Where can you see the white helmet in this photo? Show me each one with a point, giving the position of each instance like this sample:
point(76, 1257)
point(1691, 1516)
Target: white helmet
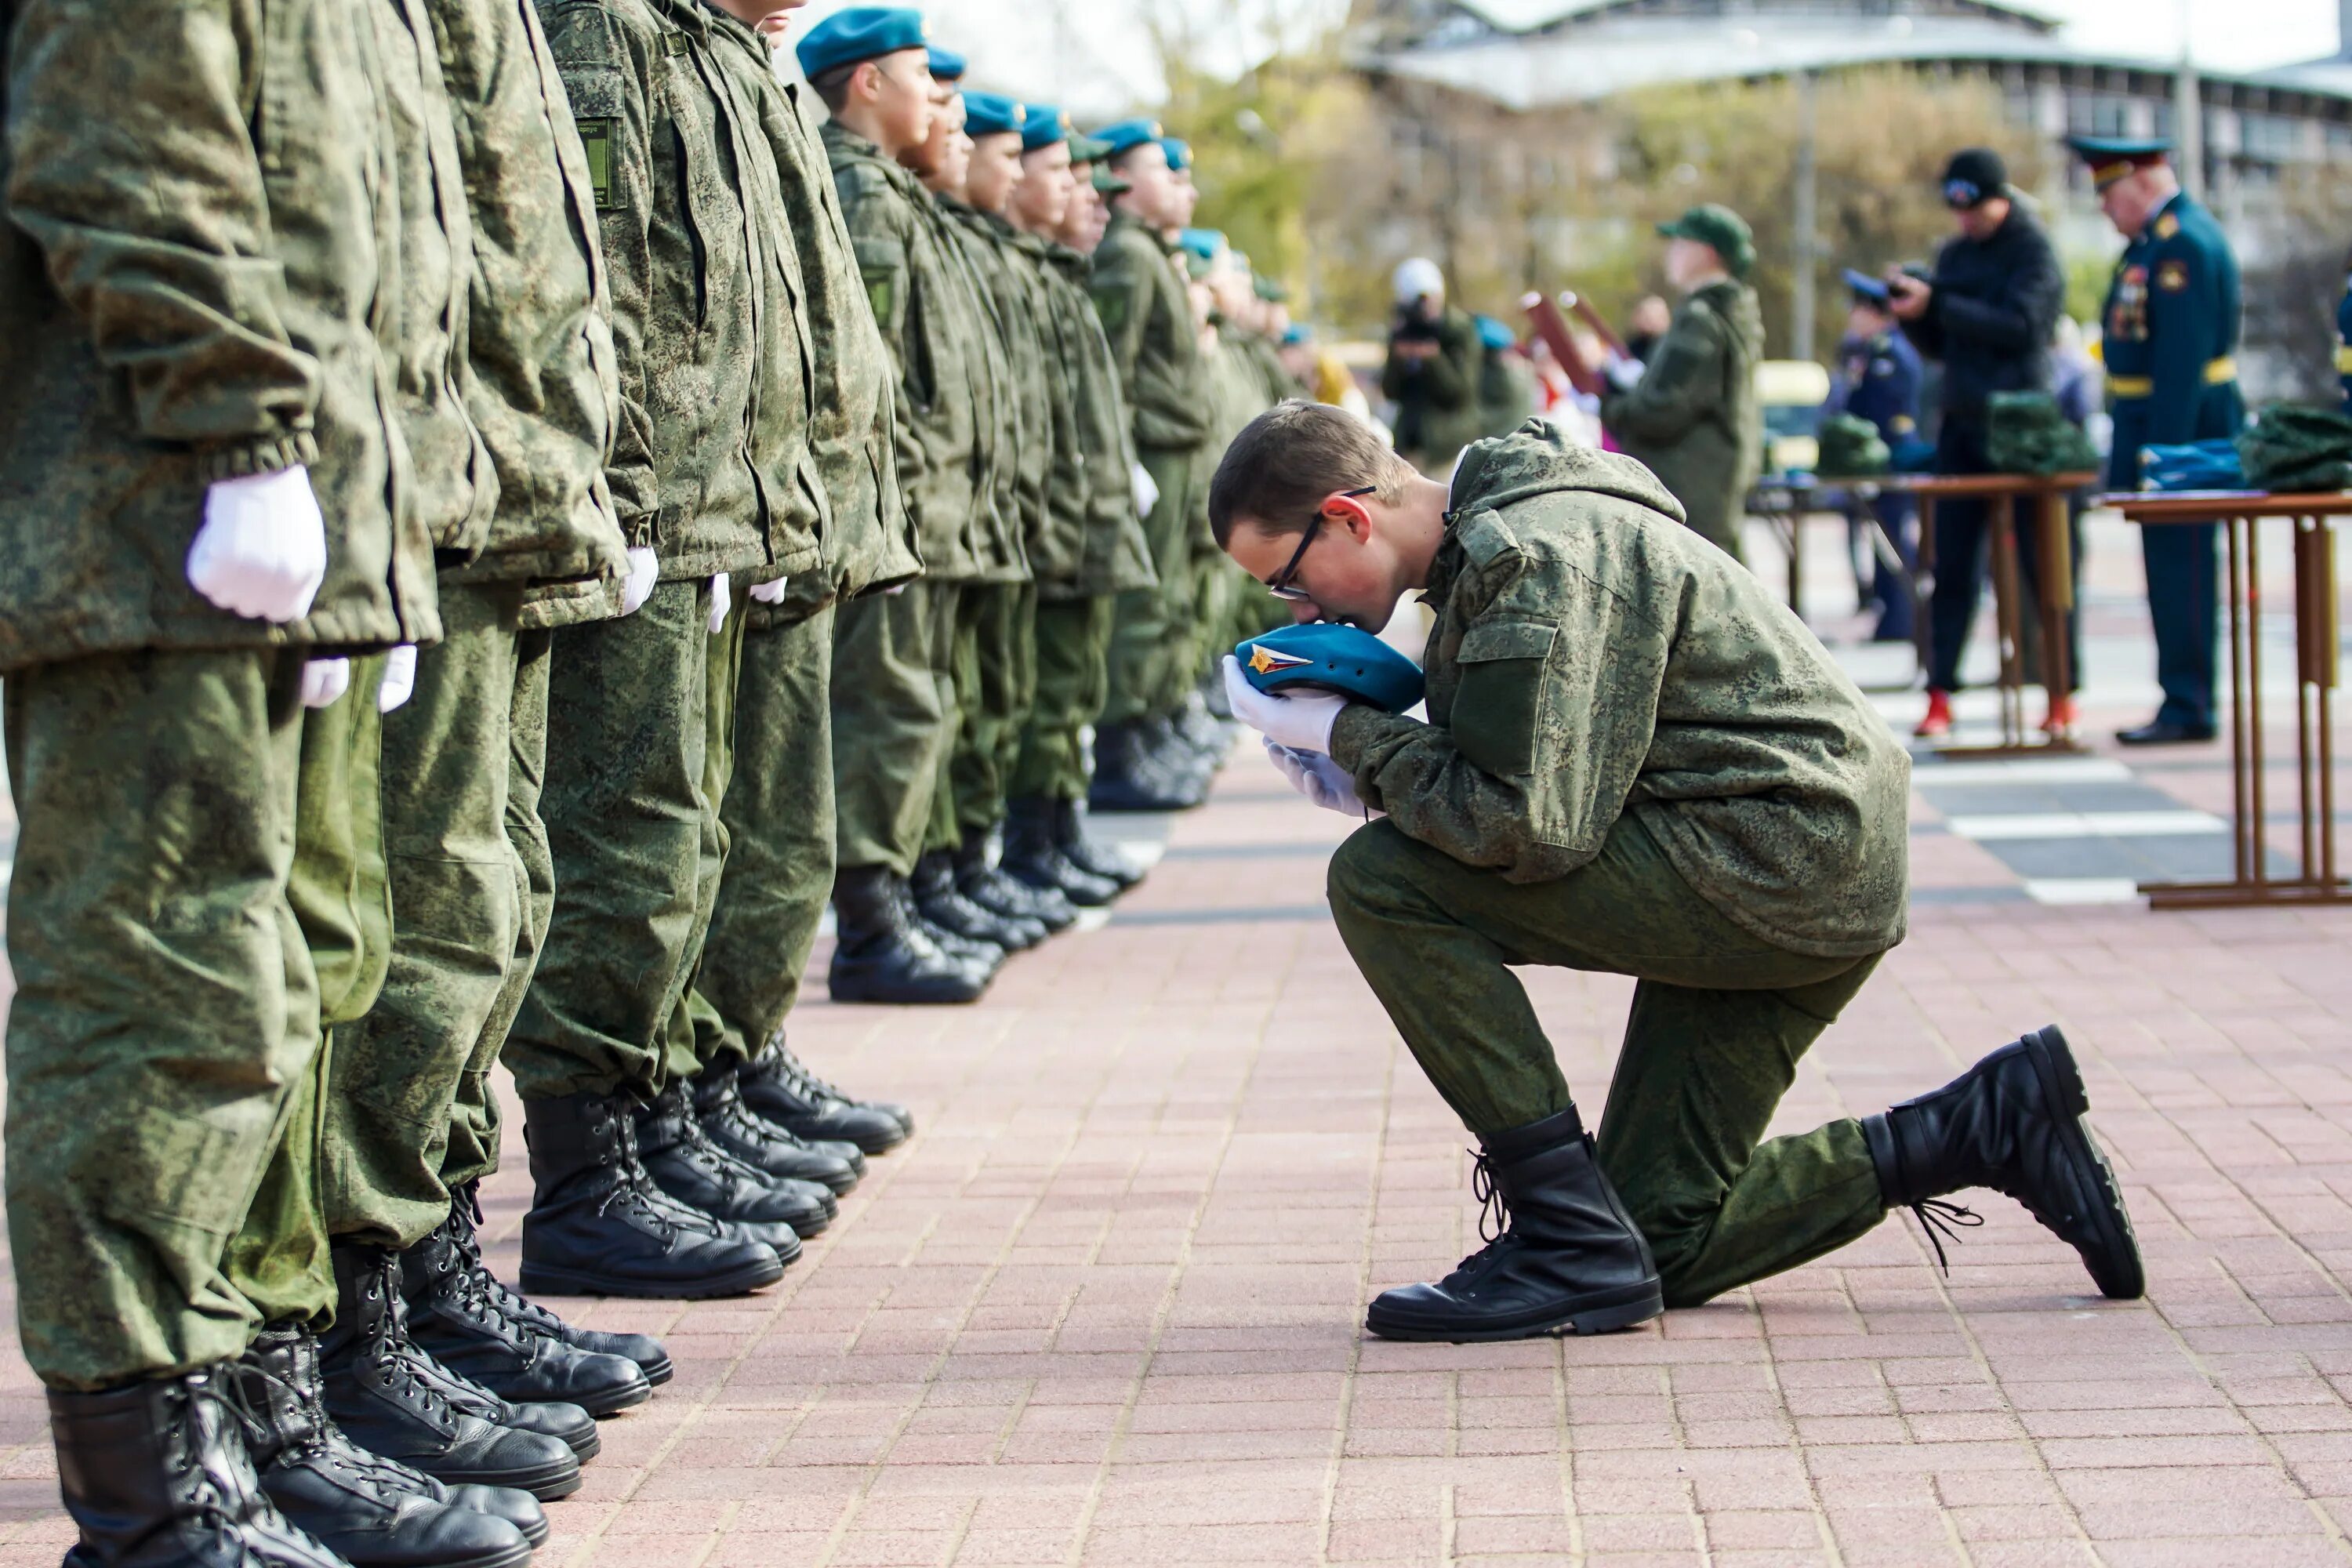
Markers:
point(1418, 276)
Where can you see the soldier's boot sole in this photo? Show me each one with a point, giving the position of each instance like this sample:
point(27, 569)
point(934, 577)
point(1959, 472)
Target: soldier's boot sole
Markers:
point(1600, 1313)
point(554, 1280)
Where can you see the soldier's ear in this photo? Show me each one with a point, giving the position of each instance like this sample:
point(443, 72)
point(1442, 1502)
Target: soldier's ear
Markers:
point(1346, 512)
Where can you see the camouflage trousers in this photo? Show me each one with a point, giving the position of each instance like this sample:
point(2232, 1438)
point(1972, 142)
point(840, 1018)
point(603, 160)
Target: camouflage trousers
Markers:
point(1155, 638)
point(165, 1006)
point(996, 685)
point(409, 1112)
point(894, 720)
point(1720, 1022)
point(633, 834)
point(1073, 646)
point(779, 814)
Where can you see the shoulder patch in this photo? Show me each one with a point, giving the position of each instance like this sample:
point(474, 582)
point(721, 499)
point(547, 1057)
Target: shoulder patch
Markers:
point(1485, 538)
point(2172, 276)
point(1111, 305)
point(2167, 226)
point(596, 139)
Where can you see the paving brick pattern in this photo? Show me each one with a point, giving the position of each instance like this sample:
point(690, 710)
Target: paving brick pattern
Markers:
point(1105, 1307)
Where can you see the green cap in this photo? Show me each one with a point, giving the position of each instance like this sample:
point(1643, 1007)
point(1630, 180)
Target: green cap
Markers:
point(1087, 149)
point(1107, 182)
point(1272, 292)
point(1719, 228)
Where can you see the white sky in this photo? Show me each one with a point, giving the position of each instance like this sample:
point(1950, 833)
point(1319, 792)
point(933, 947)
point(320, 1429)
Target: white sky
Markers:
point(1095, 56)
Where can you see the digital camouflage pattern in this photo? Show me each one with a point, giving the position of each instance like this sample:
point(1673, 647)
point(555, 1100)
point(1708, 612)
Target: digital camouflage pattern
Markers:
point(892, 720)
point(999, 397)
point(452, 488)
point(1693, 419)
point(1095, 541)
point(1007, 263)
point(922, 302)
point(151, 1070)
point(542, 390)
point(853, 412)
point(1147, 316)
point(702, 317)
point(193, 271)
point(996, 682)
point(1073, 681)
point(1589, 658)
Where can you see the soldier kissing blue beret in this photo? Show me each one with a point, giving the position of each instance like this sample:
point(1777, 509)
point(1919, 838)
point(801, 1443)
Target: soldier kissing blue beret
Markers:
point(1344, 659)
point(946, 64)
point(860, 33)
point(1127, 135)
point(1042, 125)
point(991, 114)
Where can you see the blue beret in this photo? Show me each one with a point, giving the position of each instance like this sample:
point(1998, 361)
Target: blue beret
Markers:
point(860, 33)
point(1865, 287)
point(1494, 333)
point(1344, 659)
point(946, 64)
point(1295, 334)
point(990, 114)
point(1043, 126)
point(1180, 151)
point(1203, 243)
point(1128, 134)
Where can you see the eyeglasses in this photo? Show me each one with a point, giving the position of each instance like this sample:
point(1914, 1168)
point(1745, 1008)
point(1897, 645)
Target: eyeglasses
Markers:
point(1280, 584)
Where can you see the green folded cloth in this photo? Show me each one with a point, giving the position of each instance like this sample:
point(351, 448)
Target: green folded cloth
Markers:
point(2026, 433)
point(1851, 448)
point(2292, 449)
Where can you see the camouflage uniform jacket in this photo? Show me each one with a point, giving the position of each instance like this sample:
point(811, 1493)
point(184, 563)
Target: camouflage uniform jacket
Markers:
point(1590, 656)
point(1094, 469)
point(852, 413)
point(542, 389)
point(922, 300)
point(712, 353)
point(454, 491)
point(1147, 315)
point(196, 278)
point(1693, 419)
point(998, 523)
point(1010, 263)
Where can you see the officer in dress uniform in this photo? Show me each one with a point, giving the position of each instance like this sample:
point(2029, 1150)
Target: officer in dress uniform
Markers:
point(1878, 379)
point(2171, 327)
point(2344, 337)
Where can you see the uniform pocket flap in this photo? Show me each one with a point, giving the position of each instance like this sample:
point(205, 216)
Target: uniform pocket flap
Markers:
point(597, 92)
point(880, 256)
point(1507, 639)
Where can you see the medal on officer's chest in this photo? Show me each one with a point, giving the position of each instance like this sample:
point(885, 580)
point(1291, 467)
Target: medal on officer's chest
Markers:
point(2128, 316)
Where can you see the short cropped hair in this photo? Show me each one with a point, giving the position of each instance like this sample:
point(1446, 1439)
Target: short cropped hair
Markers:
point(1286, 461)
point(832, 85)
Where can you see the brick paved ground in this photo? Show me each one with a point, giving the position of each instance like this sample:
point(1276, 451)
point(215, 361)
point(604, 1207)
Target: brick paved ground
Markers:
point(1105, 1307)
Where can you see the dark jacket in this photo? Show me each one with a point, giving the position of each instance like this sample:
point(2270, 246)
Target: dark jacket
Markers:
point(1995, 305)
point(1436, 398)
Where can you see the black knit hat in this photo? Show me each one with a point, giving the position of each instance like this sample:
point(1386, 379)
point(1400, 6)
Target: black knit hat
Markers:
point(1973, 177)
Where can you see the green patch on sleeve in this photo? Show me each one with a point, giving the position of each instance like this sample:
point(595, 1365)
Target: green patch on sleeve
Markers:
point(596, 136)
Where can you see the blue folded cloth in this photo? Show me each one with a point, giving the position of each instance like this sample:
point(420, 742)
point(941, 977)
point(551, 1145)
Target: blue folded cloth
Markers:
point(2192, 465)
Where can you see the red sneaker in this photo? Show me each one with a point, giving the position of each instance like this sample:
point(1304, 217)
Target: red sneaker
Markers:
point(2061, 720)
point(1938, 721)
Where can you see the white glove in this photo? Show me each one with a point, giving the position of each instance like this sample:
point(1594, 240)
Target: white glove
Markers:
point(1321, 780)
point(721, 601)
point(1624, 373)
point(768, 593)
point(262, 551)
point(324, 681)
point(399, 677)
point(1302, 723)
point(1147, 490)
point(637, 583)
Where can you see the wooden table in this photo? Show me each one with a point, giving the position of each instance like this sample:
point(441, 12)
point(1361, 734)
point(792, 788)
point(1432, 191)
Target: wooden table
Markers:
point(2316, 656)
point(2004, 494)
point(1784, 501)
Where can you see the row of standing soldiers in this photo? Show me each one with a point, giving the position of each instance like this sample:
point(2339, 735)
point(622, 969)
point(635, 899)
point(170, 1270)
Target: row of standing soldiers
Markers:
point(505, 518)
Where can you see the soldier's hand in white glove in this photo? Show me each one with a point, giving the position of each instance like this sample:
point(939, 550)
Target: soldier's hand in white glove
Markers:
point(324, 681)
point(399, 677)
point(721, 601)
point(1146, 489)
point(637, 581)
point(768, 593)
point(262, 549)
point(1321, 780)
point(1302, 723)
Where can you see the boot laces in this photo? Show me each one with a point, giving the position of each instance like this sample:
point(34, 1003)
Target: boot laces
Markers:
point(1494, 1208)
point(1944, 1221)
point(797, 1076)
point(400, 1364)
point(210, 1495)
point(528, 1319)
point(322, 1443)
point(630, 1182)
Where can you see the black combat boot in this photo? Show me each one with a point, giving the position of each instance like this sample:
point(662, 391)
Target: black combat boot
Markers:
point(1566, 1257)
point(941, 901)
point(370, 1511)
point(995, 887)
point(1095, 859)
point(566, 1423)
point(2012, 1123)
point(595, 1227)
point(780, 1086)
point(458, 1312)
point(1186, 755)
point(157, 1475)
point(1128, 775)
point(1034, 858)
point(983, 958)
point(685, 1164)
point(465, 1222)
point(879, 956)
point(387, 1395)
point(752, 1138)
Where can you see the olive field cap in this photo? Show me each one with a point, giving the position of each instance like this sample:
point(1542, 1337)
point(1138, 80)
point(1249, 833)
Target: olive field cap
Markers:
point(1721, 230)
point(1267, 289)
point(1042, 125)
point(2113, 157)
point(991, 114)
point(1324, 653)
point(861, 32)
point(1107, 180)
point(1085, 149)
point(1128, 134)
